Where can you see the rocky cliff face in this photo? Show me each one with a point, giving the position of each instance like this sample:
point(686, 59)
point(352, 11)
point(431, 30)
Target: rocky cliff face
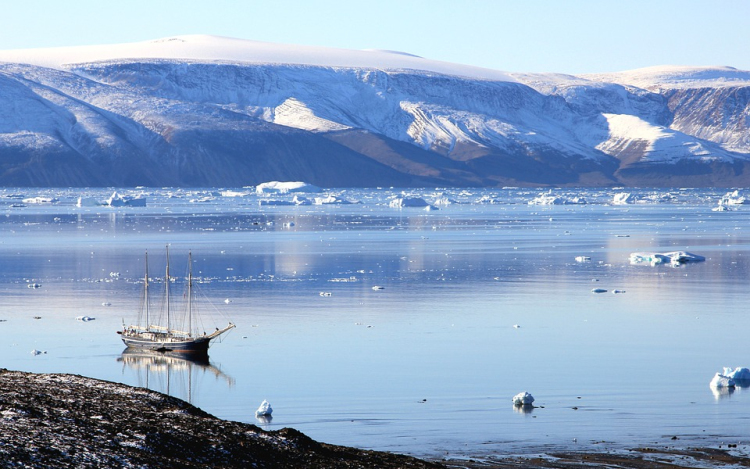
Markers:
point(187, 122)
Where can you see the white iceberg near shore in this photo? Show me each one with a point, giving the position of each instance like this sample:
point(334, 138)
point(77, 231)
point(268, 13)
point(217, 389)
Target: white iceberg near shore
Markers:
point(279, 187)
point(523, 399)
point(672, 258)
point(264, 410)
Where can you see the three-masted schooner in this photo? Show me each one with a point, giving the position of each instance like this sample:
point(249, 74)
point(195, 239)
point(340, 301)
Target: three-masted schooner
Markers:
point(165, 338)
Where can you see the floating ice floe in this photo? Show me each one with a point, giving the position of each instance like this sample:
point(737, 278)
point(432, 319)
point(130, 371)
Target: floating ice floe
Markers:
point(117, 200)
point(598, 290)
point(624, 198)
point(734, 198)
point(231, 193)
point(38, 352)
point(583, 259)
point(326, 293)
point(274, 202)
point(40, 200)
point(378, 287)
point(84, 318)
point(34, 285)
point(523, 399)
point(548, 199)
point(278, 187)
point(410, 202)
point(264, 410)
point(87, 202)
point(673, 258)
point(330, 200)
point(721, 381)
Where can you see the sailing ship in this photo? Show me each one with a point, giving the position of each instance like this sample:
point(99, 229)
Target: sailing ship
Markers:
point(166, 337)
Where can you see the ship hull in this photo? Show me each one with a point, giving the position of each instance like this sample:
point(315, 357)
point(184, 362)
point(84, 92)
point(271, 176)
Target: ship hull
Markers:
point(173, 344)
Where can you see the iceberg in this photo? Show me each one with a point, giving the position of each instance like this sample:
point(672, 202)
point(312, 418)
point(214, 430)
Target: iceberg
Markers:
point(264, 410)
point(738, 374)
point(624, 198)
point(277, 187)
point(404, 202)
point(548, 199)
point(117, 200)
point(523, 399)
point(330, 200)
point(721, 381)
point(672, 258)
point(87, 202)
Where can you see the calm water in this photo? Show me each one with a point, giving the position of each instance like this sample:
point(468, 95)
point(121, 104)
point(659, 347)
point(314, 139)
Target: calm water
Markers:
point(429, 364)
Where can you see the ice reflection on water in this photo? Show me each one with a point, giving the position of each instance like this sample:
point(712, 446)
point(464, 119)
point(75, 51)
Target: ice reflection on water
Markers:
point(429, 363)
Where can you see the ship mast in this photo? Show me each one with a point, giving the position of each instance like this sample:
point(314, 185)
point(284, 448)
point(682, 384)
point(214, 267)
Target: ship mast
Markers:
point(167, 282)
point(145, 292)
point(190, 294)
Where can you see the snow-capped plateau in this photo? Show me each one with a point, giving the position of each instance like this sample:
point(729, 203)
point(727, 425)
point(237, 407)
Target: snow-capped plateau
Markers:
point(205, 110)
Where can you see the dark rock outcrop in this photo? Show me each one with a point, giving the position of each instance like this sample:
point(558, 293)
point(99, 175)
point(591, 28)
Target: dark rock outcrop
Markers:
point(58, 420)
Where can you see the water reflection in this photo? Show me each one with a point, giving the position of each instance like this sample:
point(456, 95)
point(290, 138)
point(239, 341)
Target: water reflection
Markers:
point(174, 374)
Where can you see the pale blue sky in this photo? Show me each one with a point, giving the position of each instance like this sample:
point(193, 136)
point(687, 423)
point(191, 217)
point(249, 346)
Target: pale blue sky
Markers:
point(568, 36)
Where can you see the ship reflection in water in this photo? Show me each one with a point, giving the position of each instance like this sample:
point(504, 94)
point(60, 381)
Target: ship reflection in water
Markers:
point(174, 374)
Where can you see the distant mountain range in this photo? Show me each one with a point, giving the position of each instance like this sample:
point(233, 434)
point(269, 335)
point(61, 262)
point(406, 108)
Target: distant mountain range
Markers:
point(212, 111)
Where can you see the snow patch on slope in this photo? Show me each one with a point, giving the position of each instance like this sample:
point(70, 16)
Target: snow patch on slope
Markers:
point(294, 113)
point(634, 139)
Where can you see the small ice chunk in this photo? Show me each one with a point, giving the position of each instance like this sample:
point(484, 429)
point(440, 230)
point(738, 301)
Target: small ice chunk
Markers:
point(523, 399)
point(583, 259)
point(378, 287)
point(598, 290)
point(38, 352)
point(656, 258)
point(227, 301)
point(325, 293)
point(618, 291)
point(84, 318)
point(264, 410)
point(721, 381)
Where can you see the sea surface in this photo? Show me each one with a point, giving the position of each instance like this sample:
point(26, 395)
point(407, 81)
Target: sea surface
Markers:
point(481, 298)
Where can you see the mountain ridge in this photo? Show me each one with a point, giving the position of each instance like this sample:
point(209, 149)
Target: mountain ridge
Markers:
point(91, 116)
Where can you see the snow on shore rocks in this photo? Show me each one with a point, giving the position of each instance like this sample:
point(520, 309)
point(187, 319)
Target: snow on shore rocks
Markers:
point(277, 187)
point(672, 258)
point(523, 399)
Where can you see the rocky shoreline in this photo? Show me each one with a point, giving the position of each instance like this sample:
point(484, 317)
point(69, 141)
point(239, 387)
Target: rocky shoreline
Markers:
point(61, 420)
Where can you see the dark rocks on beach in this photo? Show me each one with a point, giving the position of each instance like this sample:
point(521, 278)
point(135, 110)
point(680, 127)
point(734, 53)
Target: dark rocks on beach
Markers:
point(59, 420)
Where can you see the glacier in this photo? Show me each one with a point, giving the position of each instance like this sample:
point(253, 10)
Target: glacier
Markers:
point(213, 111)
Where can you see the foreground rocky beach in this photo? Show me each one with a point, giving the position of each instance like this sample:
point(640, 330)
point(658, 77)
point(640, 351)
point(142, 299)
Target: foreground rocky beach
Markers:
point(60, 420)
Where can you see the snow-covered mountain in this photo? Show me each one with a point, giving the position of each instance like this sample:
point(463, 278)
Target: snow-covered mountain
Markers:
point(205, 110)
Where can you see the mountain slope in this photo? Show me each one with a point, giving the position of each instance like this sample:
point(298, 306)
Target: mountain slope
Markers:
point(202, 110)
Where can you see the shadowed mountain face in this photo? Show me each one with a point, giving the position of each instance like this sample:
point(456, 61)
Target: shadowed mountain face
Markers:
point(188, 123)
